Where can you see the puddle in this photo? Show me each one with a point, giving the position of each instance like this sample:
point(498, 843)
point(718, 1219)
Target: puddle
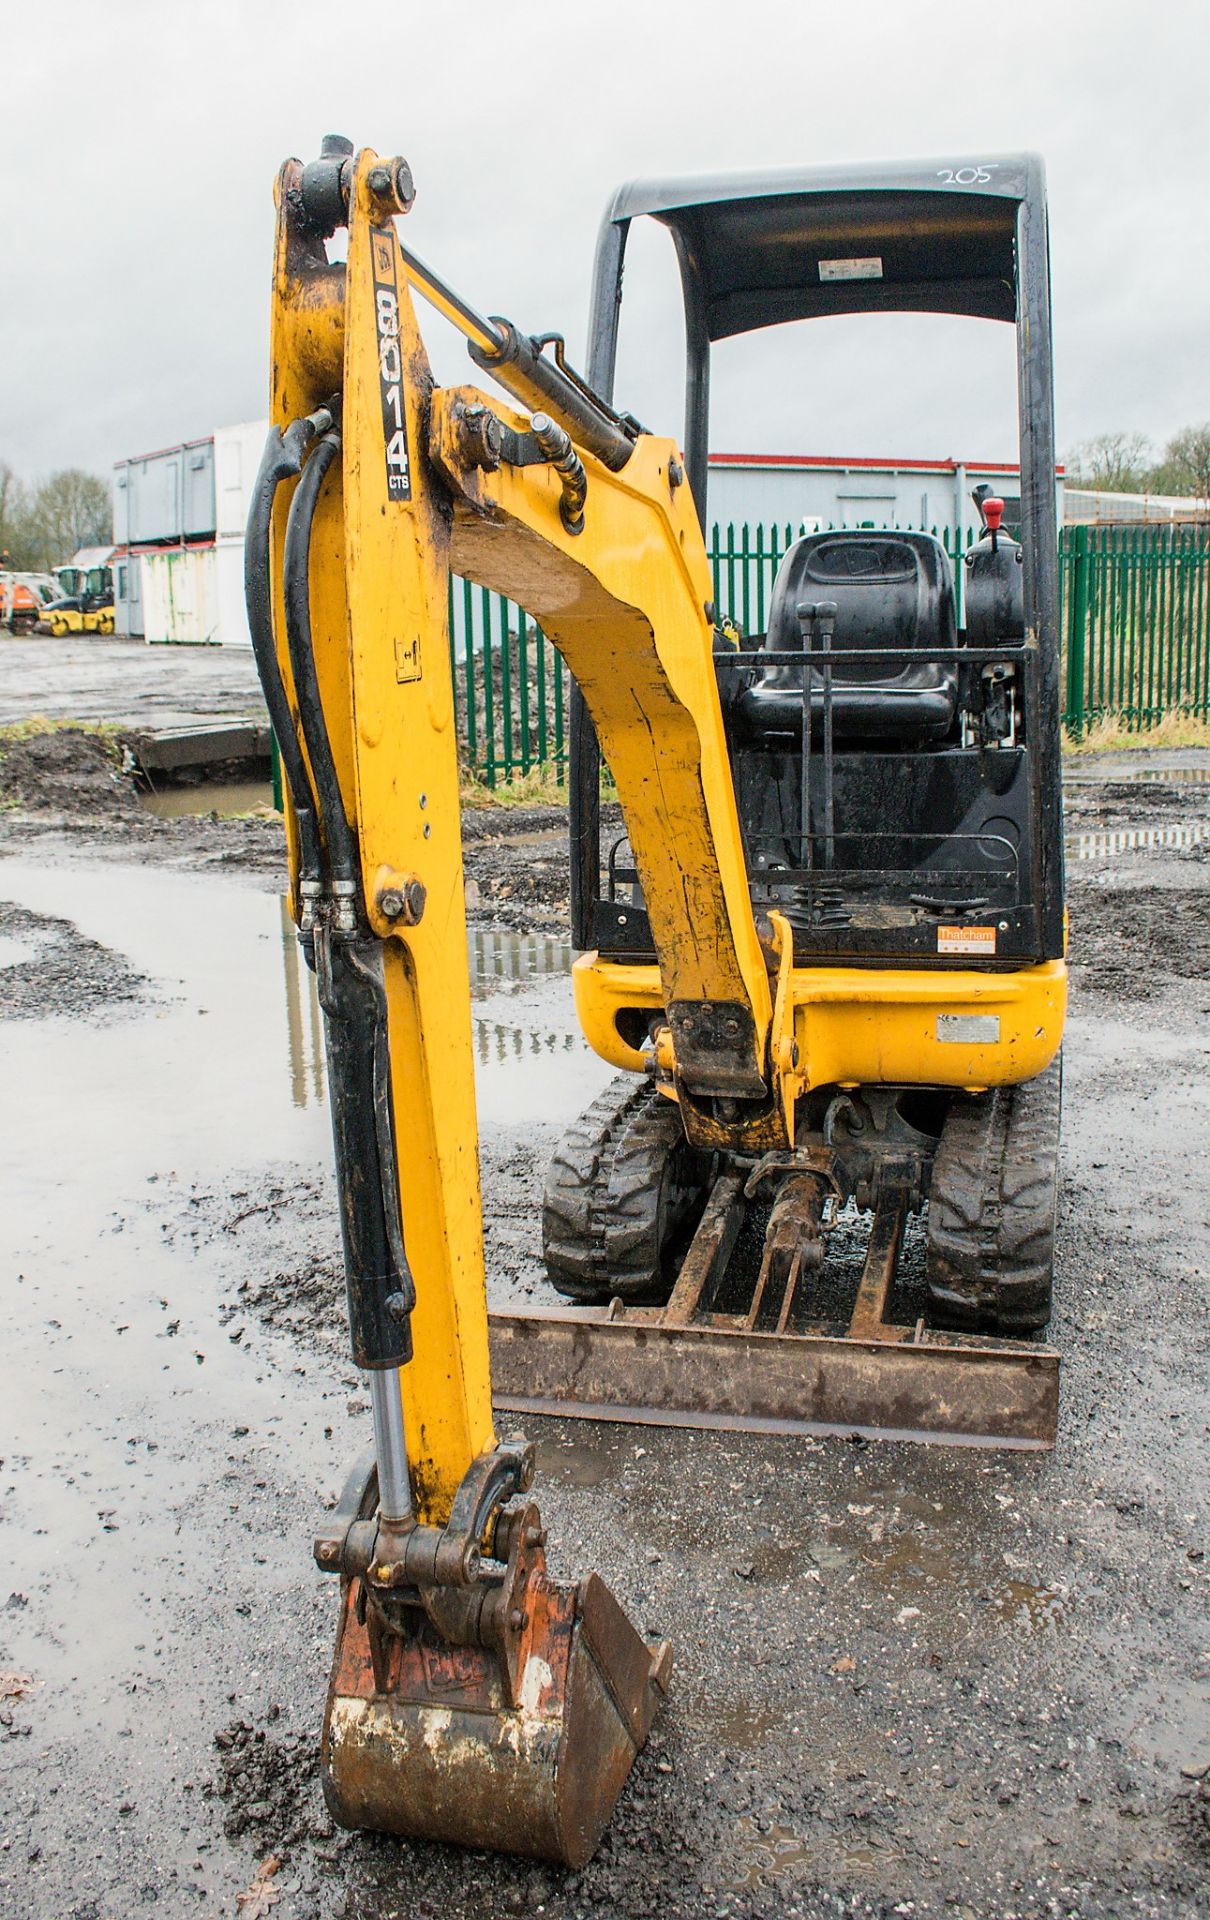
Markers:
point(742, 1728)
point(1028, 1607)
point(226, 960)
point(221, 1070)
point(497, 1044)
point(16, 953)
point(576, 1464)
point(915, 1562)
point(224, 797)
point(505, 962)
point(1103, 845)
point(768, 1851)
point(1114, 773)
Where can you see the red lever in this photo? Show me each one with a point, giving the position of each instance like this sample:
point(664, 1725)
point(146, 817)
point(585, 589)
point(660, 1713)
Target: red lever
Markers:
point(993, 513)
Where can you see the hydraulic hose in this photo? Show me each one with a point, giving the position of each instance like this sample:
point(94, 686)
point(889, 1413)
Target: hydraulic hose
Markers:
point(296, 579)
point(281, 460)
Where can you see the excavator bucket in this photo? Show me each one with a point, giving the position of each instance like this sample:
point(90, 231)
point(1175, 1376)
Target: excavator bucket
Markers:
point(442, 1752)
point(472, 1698)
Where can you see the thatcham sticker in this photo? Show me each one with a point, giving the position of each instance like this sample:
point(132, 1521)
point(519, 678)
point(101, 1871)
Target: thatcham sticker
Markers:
point(981, 940)
point(390, 365)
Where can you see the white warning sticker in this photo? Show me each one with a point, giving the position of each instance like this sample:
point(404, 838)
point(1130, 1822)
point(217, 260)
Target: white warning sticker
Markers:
point(978, 940)
point(868, 267)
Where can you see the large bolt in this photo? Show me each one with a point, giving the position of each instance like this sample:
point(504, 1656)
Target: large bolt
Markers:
point(518, 1619)
point(392, 180)
point(479, 438)
point(404, 902)
point(328, 1551)
point(405, 186)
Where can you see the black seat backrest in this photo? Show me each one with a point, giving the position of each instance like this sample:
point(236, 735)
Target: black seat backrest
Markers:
point(890, 589)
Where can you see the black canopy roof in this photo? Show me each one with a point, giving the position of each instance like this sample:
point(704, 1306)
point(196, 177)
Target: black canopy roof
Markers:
point(926, 236)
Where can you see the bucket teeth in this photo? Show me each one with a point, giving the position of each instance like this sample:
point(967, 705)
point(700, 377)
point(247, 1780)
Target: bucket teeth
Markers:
point(449, 1750)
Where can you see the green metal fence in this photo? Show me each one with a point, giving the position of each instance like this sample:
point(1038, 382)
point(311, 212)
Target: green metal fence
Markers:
point(1135, 625)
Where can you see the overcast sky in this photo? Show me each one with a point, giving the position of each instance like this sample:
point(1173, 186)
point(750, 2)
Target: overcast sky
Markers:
point(140, 142)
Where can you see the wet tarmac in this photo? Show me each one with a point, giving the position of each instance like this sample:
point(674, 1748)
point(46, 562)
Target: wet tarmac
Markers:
point(909, 1680)
point(85, 677)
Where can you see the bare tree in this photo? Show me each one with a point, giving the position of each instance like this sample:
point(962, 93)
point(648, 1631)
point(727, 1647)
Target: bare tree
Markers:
point(14, 521)
point(69, 509)
point(41, 527)
point(1111, 463)
point(1185, 467)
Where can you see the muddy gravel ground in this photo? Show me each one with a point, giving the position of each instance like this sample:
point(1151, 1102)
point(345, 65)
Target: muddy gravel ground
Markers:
point(908, 1680)
point(64, 793)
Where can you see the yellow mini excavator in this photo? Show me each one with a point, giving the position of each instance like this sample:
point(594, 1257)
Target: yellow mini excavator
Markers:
point(829, 949)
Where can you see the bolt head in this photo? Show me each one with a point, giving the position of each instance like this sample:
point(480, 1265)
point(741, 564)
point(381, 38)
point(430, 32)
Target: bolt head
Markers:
point(518, 1619)
point(390, 903)
point(378, 179)
point(405, 186)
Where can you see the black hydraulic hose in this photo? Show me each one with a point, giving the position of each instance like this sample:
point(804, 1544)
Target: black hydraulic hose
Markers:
point(296, 580)
point(281, 459)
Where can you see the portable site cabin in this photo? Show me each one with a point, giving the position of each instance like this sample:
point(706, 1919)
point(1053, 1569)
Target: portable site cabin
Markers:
point(179, 521)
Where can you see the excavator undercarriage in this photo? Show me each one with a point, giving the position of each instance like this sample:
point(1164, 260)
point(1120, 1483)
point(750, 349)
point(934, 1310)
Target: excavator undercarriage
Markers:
point(719, 1304)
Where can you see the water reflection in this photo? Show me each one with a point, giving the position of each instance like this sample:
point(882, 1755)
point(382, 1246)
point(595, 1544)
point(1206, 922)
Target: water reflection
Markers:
point(224, 797)
point(1101, 845)
point(1100, 773)
point(303, 1018)
point(497, 1045)
point(506, 962)
point(501, 962)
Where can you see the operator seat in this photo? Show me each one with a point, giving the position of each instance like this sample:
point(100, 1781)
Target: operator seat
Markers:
point(890, 590)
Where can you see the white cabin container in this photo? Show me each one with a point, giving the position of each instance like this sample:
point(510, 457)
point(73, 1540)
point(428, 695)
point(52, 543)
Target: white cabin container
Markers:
point(180, 595)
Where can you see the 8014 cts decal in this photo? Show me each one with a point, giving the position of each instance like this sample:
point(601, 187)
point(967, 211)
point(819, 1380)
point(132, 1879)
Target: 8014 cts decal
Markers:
point(390, 365)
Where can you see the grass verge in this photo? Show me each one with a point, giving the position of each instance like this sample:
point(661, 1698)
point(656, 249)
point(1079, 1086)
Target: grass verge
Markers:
point(1110, 736)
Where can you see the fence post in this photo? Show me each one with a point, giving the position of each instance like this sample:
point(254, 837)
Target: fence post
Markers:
point(1077, 631)
point(468, 654)
point(489, 703)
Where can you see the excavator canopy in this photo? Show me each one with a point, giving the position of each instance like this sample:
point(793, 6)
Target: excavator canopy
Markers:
point(762, 248)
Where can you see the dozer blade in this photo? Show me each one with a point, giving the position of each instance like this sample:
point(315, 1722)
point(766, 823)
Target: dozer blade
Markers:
point(964, 1390)
point(686, 1365)
point(440, 1753)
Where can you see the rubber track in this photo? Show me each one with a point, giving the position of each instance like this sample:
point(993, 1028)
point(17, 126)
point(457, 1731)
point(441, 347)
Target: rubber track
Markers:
point(991, 1210)
point(601, 1210)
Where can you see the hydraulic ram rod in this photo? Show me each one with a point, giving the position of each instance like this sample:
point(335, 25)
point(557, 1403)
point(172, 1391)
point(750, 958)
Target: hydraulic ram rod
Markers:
point(517, 361)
